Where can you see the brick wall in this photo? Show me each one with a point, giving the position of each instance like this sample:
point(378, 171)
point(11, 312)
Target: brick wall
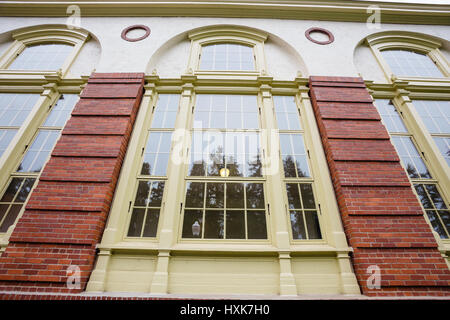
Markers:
point(66, 213)
point(382, 217)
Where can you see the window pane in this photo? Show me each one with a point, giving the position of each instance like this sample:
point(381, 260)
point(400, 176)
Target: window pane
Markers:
point(435, 196)
point(3, 210)
point(214, 224)
point(409, 63)
point(423, 196)
point(156, 194)
point(42, 57)
point(235, 195)
point(286, 113)
point(443, 145)
point(298, 225)
point(151, 223)
point(255, 195)
point(436, 223)
point(411, 159)
point(25, 189)
point(10, 218)
point(434, 114)
point(149, 194)
point(142, 193)
point(166, 111)
point(293, 196)
point(6, 135)
point(217, 111)
point(157, 153)
point(38, 153)
point(435, 208)
point(391, 118)
point(312, 223)
point(192, 219)
point(214, 195)
point(14, 108)
point(137, 219)
point(235, 224)
point(224, 56)
point(445, 218)
point(256, 225)
point(293, 154)
point(13, 199)
point(307, 196)
point(195, 194)
point(12, 189)
point(237, 152)
point(61, 111)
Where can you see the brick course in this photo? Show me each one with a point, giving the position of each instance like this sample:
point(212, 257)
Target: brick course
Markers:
point(66, 214)
point(382, 218)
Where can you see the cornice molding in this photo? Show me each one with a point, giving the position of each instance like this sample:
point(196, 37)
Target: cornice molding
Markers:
point(294, 9)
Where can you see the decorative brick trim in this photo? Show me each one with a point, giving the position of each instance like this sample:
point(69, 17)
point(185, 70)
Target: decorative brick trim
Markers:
point(382, 217)
point(66, 214)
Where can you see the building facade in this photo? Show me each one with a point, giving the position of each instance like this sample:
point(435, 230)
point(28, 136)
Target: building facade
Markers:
point(256, 147)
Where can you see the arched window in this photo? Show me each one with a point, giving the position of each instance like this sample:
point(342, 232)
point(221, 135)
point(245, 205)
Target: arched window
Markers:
point(47, 49)
point(42, 57)
point(227, 56)
point(410, 63)
point(227, 51)
point(406, 55)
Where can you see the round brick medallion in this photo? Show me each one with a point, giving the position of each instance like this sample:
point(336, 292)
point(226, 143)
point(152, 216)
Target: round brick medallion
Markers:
point(125, 32)
point(319, 30)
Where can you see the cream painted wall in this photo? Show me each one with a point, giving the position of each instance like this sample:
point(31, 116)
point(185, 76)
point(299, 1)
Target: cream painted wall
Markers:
point(117, 55)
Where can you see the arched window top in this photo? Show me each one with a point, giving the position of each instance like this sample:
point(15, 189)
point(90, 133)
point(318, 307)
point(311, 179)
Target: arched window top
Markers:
point(49, 56)
point(411, 63)
point(409, 54)
point(227, 50)
point(44, 49)
point(227, 56)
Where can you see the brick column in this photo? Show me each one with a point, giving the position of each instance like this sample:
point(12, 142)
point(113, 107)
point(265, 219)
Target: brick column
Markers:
point(66, 213)
point(382, 217)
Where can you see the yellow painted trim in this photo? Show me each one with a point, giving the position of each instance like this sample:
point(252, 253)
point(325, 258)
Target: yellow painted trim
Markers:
point(41, 35)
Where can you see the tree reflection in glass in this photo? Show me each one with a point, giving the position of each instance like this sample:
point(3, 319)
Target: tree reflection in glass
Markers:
point(224, 208)
point(146, 208)
point(435, 208)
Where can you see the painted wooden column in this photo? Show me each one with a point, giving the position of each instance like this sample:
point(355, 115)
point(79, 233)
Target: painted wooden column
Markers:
point(272, 167)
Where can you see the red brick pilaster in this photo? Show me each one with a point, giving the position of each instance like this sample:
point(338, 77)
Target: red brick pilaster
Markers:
point(382, 217)
point(66, 213)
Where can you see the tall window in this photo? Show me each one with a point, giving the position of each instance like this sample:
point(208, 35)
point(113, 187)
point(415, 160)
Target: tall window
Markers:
point(152, 175)
point(424, 184)
point(226, 200)
point(42, 57)
point(28, 171)
point(301, 203)
point(14, 108)
point(227, 56)
point(410, 63)
point(436, 117)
